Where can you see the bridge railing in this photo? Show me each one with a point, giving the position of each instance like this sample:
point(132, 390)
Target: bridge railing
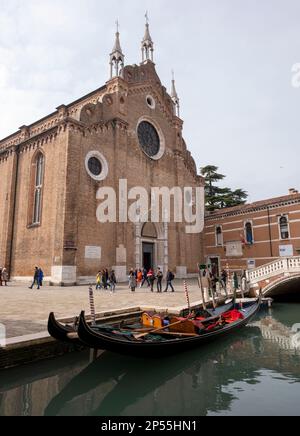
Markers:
point(280, 266)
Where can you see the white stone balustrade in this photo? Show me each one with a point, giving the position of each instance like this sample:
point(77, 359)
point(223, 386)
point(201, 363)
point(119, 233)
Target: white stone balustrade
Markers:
point(284, 266)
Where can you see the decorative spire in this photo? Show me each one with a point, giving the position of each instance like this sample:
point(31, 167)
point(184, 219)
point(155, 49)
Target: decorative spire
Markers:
point(147, 43)
point(116, 57)
point(175, 97)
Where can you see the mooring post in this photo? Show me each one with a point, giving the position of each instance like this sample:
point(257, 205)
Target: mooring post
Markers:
point(92, 305)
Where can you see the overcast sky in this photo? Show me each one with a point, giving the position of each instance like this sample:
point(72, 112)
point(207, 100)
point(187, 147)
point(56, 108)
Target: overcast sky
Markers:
point(232, 59)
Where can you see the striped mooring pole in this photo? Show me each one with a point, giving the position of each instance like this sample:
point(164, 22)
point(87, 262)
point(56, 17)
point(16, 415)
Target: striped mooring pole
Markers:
point(187, 296)
point(92, 305)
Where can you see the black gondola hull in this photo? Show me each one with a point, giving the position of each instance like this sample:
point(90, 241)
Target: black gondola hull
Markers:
point(101, 341)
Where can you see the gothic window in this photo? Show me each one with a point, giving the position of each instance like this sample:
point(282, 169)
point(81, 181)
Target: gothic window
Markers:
point(249, 233)
point(284, 228)
point(149, 139)
point(38, 176)
point(219, 236)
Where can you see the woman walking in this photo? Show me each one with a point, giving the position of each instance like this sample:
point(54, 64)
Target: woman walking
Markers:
point(99, 281)
point(132, 282)
point(4, 276)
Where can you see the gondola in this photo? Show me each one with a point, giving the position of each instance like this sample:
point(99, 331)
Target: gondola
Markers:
point(60, 332)
point(68, 333)
point(124, 342)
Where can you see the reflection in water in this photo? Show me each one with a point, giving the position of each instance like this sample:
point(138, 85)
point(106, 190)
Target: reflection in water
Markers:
point(238, 375)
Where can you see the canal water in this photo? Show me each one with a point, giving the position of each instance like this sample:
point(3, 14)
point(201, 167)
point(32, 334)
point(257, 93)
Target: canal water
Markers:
point(254, 372)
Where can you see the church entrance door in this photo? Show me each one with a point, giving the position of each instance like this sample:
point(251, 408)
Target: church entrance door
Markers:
point(148, 255)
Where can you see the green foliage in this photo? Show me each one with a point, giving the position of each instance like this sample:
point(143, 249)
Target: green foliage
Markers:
point(220, 198)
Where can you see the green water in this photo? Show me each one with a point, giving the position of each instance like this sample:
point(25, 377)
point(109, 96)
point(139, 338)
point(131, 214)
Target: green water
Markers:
point(255, 372)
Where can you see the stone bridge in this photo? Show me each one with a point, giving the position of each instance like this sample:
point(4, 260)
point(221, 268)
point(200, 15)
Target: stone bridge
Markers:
point(277, 279)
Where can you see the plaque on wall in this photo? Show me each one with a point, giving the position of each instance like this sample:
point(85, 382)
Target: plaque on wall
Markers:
point(93, 253)
point(286, 250)
point(234, 249)
point(121, 254)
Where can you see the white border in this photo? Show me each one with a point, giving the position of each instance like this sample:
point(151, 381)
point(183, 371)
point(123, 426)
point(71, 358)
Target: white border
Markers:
point(162, 149)
point(104, 173)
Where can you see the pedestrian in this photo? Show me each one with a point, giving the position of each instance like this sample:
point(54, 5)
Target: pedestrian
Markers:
point(170, 278)
point(145, 278)
point(160, 277)
point(132, 282)
point(151, 277)
point(41, 277)
point(113, 281)
point(139, 278)
point(104, 280)
point(99, 280)
point(224, 278)
point(35, 279)
point(4, 276)
point(131, 272)
point(0, 276)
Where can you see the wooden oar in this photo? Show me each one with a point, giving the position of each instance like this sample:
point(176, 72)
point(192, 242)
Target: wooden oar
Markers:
point(159, 330)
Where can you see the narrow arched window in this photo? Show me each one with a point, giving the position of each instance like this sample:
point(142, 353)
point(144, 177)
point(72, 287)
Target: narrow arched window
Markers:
point(38, 189)
point(284, 228)
point(249, 233)
point(219, 236)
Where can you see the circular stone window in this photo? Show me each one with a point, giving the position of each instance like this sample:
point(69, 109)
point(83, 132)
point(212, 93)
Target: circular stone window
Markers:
point(150, 102)
point(149, 139)
point(96, 166)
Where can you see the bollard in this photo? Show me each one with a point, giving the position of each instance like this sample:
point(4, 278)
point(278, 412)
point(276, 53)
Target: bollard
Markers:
point(92, 305)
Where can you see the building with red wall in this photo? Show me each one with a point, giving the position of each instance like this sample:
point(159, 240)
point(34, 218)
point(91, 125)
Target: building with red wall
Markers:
point(245, 237)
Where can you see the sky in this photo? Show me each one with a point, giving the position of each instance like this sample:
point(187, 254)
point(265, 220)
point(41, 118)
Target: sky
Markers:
point(232, 59)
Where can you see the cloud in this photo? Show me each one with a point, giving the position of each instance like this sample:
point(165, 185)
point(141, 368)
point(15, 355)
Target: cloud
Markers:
point(232, 61)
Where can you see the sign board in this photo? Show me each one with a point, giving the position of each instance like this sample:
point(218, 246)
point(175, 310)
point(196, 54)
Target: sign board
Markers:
point(251, 264)
point(286, 250)
point(234, 249)
point(93, 253)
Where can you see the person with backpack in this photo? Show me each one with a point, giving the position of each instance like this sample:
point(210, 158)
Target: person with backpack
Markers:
point(36, 278)
point(170, 278)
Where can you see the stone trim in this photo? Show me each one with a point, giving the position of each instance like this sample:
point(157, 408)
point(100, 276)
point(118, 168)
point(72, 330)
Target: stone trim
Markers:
point(251, 210)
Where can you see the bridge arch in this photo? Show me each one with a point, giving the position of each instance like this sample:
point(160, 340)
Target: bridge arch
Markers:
point(283, 287)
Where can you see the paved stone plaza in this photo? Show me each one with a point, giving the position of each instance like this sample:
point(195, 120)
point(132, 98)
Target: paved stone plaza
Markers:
point(24, 311)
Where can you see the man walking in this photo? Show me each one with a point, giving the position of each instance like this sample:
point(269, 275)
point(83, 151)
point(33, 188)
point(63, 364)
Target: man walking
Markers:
point(35, 279)
point(160, 277)
point(145, 278)
point(113, 281)
point(170, 278)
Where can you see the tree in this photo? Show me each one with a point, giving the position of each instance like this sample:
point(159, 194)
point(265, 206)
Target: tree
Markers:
point(220, 198)
point(212, 192)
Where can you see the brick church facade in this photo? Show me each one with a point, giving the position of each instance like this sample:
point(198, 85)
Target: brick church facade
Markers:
point(51, 171)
